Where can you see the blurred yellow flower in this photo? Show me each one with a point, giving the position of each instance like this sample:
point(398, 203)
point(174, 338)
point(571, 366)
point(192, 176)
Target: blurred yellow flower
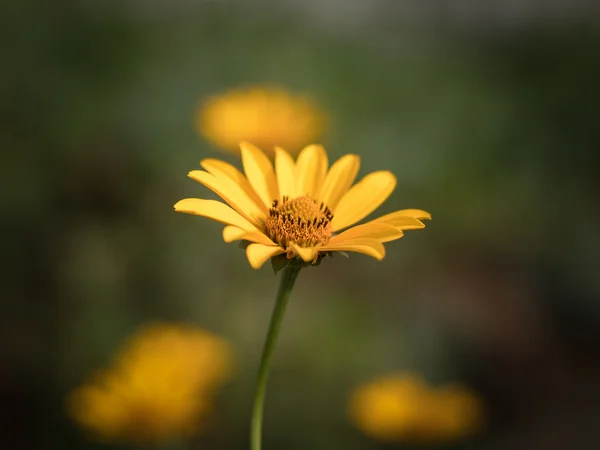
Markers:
point(296, 208)
point(403, 408)
point(160, 386)
point(262, 115)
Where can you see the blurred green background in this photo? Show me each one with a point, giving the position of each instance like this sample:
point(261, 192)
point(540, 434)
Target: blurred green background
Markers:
point(490, 122)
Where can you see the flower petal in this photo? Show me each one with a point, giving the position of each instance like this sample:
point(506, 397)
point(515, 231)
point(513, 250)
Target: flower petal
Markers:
point(232, 233)
point(233, 194)
point(258, 254)
point(286, 173)
point(400, 220)
point(371, 247)
point(414, 213)
point(340, 177)
point(363, 198)
point(260, 173)
point(308, 254)
point(311, 167)
point(215, 210)
point(382, 232)
point(222, 169)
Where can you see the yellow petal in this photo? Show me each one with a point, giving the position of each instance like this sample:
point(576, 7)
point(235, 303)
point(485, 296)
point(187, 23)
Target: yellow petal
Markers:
point(307, 254)
point(400, 220)
point(286, 173)
point(379, 231)
point(311, 167)
point(339, 179)
point(258, 254)
point(215, 210)
point(233, 194)
point(414, 213)
point(232, 233)
point(370, 247)
point(363, 198)
point(222, 169)
point(260, 173)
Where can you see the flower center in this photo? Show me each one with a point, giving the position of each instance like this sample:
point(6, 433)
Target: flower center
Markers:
point(301, 221)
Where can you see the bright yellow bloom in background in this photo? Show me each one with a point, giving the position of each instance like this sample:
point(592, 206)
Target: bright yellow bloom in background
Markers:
point(160, 386)
point(297, 207)
point(264, 116)
point(402, 408)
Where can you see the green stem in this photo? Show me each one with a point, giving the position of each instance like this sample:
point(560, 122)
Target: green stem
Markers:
point(288, 277)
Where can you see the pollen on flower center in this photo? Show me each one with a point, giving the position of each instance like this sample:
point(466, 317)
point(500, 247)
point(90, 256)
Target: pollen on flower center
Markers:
point(301, 221)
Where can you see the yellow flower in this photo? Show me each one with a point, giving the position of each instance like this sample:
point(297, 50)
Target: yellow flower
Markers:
point(297, 208)
point(403, 408)
point(262, 115)
point(160, 386)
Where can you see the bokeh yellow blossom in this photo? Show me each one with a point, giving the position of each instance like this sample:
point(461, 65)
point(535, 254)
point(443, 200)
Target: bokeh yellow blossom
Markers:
point(403, 408)
point(160, 386)
point(262, 115)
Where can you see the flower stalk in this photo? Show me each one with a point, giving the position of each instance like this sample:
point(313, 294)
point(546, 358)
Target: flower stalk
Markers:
point(288, 278)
